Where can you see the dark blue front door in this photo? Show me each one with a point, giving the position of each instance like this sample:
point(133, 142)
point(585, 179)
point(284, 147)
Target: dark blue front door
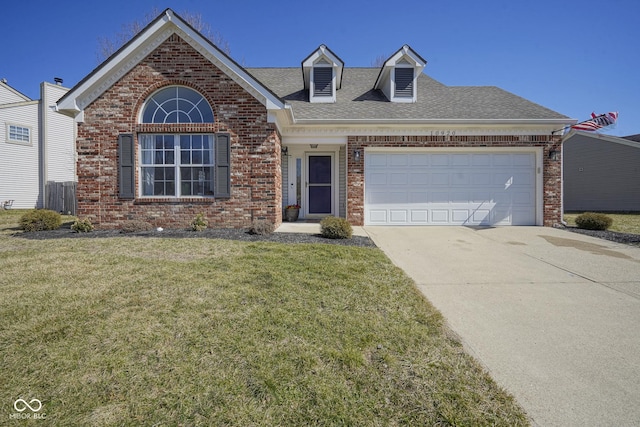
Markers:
point(319, 185)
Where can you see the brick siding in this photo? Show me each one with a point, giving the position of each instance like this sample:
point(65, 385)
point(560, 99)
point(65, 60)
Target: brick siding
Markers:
point(256, 191)
point(552, 182)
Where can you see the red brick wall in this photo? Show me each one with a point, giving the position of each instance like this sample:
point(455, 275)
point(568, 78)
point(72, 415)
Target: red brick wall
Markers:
point(256, 191)
point(552, 192)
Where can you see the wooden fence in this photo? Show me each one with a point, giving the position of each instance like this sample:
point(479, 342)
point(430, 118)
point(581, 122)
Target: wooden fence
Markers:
point(61, 197)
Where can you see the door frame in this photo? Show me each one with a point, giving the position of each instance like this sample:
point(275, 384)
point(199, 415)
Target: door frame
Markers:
point(334, 181)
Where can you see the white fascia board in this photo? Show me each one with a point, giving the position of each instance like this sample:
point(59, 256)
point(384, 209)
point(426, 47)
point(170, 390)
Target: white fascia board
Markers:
point(115, 67)
point(431, 122)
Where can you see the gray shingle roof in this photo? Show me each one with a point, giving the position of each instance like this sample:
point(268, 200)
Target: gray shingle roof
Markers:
point(357, 100)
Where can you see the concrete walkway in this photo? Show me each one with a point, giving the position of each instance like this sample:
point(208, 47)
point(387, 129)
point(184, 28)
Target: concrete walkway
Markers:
point(554, 316)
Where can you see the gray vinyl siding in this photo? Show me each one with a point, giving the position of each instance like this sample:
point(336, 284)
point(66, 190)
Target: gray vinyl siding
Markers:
point(342, 182)
point(600, 175)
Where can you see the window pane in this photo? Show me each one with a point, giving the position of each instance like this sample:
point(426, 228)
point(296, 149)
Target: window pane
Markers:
point(169, 157)
point(197, 157)
point(177, 104)
point(185, 157)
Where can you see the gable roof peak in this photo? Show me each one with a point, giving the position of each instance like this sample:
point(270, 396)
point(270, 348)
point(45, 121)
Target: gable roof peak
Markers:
point(147, 40)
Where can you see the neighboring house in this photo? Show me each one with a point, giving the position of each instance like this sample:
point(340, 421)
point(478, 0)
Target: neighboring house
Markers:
point(36, 148)
point(601, 172)
point(169, 127)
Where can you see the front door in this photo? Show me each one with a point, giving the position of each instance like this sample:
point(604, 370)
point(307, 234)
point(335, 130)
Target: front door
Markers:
point(319, 184)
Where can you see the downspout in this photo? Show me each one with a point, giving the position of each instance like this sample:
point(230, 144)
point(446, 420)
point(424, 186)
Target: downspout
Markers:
point(43, 132)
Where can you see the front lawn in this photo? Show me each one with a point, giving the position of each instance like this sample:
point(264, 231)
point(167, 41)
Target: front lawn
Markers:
point(622, 223)
point(157, 331)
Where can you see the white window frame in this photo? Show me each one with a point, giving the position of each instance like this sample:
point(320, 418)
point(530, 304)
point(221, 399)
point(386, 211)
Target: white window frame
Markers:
point(19, 141)
point(176, 165)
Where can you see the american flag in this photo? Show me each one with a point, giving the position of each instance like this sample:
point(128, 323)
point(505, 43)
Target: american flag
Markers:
point(597, 122)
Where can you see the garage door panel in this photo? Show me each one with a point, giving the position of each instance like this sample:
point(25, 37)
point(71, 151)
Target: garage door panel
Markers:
point(419, 216)
point(398, 160)
point(481, 179)
point(419, 160)
point(419, 178)
point(398, 216)
point(481, 160)
point(399, 178)
point(376, 160)
point(446, 188)
point(439, 160)
point(460, 178)
point(460, 160)
point(440, 179)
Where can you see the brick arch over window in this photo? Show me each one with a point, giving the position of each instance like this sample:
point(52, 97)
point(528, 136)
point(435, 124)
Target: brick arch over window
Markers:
point(176, 104)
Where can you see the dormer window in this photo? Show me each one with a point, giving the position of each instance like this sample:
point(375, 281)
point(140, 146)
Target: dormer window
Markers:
point(399, 74)
point(322, 72)
point(323, 80)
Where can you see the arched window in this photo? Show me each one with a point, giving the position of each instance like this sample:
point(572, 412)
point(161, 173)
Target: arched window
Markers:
point(177, 104)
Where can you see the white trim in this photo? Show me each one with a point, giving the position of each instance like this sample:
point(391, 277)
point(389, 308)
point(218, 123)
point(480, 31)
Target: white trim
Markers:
point(19, 141)
point(335, 178)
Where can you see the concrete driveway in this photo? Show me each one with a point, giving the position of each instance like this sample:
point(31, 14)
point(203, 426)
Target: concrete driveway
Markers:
point(554, 316)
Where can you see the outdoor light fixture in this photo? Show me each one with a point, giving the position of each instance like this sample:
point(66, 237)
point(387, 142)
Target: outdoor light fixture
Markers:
point(313, 145)
point(554, 155)
point(284, 150)
point(356, 155)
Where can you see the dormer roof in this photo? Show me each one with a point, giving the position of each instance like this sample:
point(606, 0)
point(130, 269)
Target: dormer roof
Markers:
point(405, 56)
point(323, 56)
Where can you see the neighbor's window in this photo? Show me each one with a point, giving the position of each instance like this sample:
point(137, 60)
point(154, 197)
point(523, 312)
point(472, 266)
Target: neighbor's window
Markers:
point(19, 134)
point(177, 165)
point(177, 104)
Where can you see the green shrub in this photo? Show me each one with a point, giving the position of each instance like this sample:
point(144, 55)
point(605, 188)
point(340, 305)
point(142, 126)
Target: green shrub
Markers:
point(262, 227)
point(593, 221)
point(82, 226)
point(40, 219)
point(199, 223)
point(136, 225)
point(335, 228)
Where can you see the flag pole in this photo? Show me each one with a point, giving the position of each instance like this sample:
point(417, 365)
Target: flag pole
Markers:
point(584, 121)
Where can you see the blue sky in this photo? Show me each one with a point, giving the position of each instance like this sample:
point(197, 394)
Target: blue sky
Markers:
point(572, 56)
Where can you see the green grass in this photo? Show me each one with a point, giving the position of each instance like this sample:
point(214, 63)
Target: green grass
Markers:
point(623, 223)
point(142, 331)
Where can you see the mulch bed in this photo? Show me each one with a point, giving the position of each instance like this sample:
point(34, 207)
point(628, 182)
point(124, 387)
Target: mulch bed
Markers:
point(243, 235)
point(210, 233)
point(626, 238)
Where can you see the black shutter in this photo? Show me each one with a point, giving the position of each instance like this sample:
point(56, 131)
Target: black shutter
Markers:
point(222, 180)
point(404, 82)
point(322, 81)
point(126, 168)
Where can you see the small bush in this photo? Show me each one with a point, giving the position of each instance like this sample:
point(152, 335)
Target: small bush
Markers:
point(136, 225)
point(199, 223)
point(82, 226)
point(262, 227)
point(335, 228)
point(593, 221)
point(40, 219)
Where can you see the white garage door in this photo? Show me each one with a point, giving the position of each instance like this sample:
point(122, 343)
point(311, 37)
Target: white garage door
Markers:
point(418, 188)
